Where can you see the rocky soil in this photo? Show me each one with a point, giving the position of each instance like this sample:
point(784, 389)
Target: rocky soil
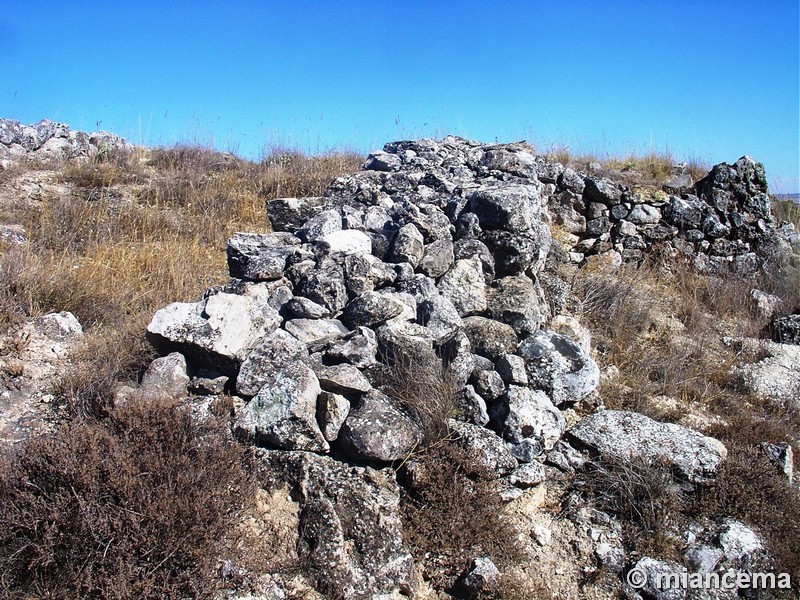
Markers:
point(459, 255)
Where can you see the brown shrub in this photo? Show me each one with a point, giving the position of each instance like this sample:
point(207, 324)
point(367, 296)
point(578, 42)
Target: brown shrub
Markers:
point(425, 390)
point(786, 210)
point(643, 495)
point(138, 506)
point(750, 488)
point(451, 515)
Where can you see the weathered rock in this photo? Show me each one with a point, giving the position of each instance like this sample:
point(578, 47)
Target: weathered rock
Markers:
point(440, 317)
point(516, 253)
point(316, 333)
point(557, 365)
point(350, 529)
point(653, 577)
point(482, 577)
point(342, 379)
point(382, 161)
point(357, 348)
point(165, 378)
point(627, 435)
point(403, 340)
point(528, 475)
point(475, 248)
point(332, 410)
point(518, 302)
point(602, 190)
point(289, 214)
point(644, 214)
point(408, 246)
point(283, 413)
point(490, 338)
point(512, 207)
point(465, 286)
point(488, 384)
point(484, 447)
point(376, 429)
point(437, 258)
point(218, 332)
point(371, 309)
point(785, 329)
point(345, 242)
point(321, 224)
point(512, 369)
point(364, 273)
point(471, 408)
point(324, 285)
point(528, 422)
point(260, 257)
point(303, 308)
point(272, 354)
point(775, 377)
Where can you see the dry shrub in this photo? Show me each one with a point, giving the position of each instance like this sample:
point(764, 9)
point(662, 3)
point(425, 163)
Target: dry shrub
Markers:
point(141, 505)
point(107, 357)
point(750, 488)
point(425, 390)
point(452, 513)
point(643, 495)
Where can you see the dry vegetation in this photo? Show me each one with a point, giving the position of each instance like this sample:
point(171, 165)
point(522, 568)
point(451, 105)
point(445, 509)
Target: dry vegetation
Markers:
point(142, 504)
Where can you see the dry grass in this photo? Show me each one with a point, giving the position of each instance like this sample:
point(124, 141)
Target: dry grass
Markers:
point(142, 505)
point(786, 210)
point(425, 390)
point(652, 168)
point(453, 513)
point(643, 496)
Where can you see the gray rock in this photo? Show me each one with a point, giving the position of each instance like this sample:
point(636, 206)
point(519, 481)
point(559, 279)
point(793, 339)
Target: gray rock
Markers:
point(260, 257)
point(570, 180)
point(316, 333)
point(345, 242)
point(658, 579)
point(528, 422)
point(357, 348)
point(488, 384)
point(528, 475)
point(371, 309)
point(350, 531)
point(320, 225)
point(774, 378)
point(511, 207)
point(785, 329)
point(490, 338)
point(512, 369)
point(520, 163)
point(559, 366)
point(437, 258)
point(518, 302)
point(516, 253)
point(408, 246)
point(602, 190)
point(465, 286)
point(332, 410)
point(440, 317)
point(218, 332)
point(289, 214)
point(403, 340)
point(342, 379)
point(208, 383)
point(382, 161)
point(272, 354)
point(740, 543)
point(364, 273)
point(473, 248)
point(456, 353)
point(324, 285)
point(283, 413)
point(471, 407)
point(484, 447)
point(703, 559)
point(627, 435)
point(644, 214)
point(376, 429)
point(165, 378)
point(482, 577)
point(303, 308)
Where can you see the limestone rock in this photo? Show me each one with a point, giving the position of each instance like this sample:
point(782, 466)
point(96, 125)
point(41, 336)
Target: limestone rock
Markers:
point(376, 429)
point(272, 354)
point(283, 413)
point(624, 435)
point(165, 378)
point(528, 422)
point(465, 286)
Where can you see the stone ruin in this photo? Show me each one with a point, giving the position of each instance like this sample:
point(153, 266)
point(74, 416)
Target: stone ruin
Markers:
point(49, 140)
point(441, 250)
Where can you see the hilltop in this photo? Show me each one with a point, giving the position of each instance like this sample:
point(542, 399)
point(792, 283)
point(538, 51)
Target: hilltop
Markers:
point(448, 369)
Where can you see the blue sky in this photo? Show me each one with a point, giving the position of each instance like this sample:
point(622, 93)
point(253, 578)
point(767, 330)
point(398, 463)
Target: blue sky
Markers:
point(712, 80)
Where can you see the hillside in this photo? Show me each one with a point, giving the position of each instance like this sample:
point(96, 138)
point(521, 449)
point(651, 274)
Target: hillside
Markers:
point(448, 369)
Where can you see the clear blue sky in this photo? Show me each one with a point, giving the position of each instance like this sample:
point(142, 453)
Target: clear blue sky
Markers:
point(709, 79)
